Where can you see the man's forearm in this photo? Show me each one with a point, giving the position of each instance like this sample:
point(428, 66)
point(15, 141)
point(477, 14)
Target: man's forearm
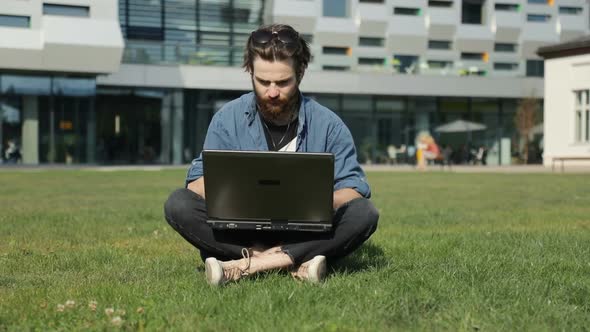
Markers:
point(198, 186)
point(343, 196)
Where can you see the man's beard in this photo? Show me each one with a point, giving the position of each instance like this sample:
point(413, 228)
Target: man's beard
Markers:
point(279, 111)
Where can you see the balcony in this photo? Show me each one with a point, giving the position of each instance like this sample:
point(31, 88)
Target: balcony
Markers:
point(407, 35)
point(336, 32)
point(302, 15)
point(442, 22)
point(508, 26)
point(474, 38)
point(572, 26)
point(372, 18)
point(537, 34)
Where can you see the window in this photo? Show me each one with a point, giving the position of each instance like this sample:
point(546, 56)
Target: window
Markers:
point(582, 116)
point(371, 61)
point(504, 47)
point(371, 41)
point(538, 17)
point(472, 12)
point(439, 44)
point(406, 11)
point(505, 66)
point(405, 63)
point(507, 7)
point(440, 3)
point(439, 64)
point(540, 2)
point(144, 21)
point(570, 10)
point(66, 10)
point(15, 21)
point(535, 68)
point(335, 50)
point(335, 68)
point(335, 8)
point(472, 56)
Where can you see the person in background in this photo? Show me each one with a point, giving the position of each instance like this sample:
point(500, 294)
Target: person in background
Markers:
point(12, 153)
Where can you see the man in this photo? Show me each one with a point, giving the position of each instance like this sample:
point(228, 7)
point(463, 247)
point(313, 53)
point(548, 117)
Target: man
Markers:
point(276, 117)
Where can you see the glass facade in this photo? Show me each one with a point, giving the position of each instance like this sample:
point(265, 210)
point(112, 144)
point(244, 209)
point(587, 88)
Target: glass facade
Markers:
point(377, 122)
point(79, 123)
point(198, 32)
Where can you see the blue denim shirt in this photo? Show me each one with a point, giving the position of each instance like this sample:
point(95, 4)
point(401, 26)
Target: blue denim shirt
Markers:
point(236, 127)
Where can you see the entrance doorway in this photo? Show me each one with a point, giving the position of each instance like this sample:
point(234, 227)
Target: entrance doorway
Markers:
point(128, 129)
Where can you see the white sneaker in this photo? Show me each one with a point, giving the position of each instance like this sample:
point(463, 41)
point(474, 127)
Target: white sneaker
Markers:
point(219, 273)
point(314, 270)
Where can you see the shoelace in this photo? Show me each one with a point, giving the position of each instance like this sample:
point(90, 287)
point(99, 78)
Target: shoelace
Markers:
point(301, 272)
point(236, 273)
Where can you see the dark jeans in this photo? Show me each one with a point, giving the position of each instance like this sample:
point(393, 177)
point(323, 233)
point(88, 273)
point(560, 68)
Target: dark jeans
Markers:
point(354, 223)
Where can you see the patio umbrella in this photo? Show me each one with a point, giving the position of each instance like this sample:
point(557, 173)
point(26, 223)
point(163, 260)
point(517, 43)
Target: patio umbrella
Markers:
point(459, 126)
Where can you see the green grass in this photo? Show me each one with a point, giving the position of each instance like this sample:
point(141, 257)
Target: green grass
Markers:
point(452, 252)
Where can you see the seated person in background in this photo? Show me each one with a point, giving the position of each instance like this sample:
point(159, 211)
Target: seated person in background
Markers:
point(276, 117)
point(432, 152)
point(392, 154)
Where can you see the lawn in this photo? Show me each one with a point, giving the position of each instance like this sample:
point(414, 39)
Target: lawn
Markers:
point(91, 250)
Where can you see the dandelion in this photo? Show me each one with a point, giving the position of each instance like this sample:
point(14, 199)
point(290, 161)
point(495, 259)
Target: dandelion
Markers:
point(60, 307)
point(140, 310)
point(70, 303)
point(117, 321)
point(92, 305)
point(156, 233)
point(109, 311)
point(120, 312)
point(43, 305)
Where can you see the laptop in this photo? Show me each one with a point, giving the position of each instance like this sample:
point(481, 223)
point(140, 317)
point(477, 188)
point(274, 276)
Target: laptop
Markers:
point(269, 191)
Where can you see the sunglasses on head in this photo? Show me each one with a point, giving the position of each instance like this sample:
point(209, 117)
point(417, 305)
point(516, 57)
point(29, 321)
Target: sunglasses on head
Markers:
point(264, 37)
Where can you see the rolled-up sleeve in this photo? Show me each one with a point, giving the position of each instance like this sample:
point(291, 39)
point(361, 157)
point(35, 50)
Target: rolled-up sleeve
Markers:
point(347, 171)
point(217, 138)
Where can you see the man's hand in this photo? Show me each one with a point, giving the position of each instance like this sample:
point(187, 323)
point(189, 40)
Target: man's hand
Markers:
point(198, 186)
point(342, 196)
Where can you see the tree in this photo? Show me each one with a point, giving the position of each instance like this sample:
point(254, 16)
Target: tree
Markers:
point(525, 119)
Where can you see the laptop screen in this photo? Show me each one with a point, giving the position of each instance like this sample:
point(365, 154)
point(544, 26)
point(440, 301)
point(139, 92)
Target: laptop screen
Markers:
point(269, 186)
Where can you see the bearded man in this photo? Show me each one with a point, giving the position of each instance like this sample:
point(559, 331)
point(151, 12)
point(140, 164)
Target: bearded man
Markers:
point(276, 117)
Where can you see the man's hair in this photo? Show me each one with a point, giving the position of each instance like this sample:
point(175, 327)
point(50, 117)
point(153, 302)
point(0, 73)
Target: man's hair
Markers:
point(275, 50)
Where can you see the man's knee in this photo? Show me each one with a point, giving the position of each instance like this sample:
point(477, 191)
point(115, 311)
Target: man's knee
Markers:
point(365, 215)
point(179, 204)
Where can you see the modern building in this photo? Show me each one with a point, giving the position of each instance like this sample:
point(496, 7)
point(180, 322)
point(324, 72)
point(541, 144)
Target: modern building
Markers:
point(567, 101)
point(137, 81)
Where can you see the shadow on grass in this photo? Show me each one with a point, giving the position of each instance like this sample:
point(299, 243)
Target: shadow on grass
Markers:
point(367, 257)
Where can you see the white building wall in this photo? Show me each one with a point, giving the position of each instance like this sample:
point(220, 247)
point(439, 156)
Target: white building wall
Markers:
point(59, 43)
point(409, 35)
point(563, 77)
point(226, 78)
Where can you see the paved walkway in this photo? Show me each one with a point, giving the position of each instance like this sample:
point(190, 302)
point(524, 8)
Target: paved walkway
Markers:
point(479, 169)
point(369, 168)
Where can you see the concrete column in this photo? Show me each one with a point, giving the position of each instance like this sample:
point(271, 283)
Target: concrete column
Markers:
point(91, 132)
point(30, 130)
point(422, 122)
point(165, 123)
point(177, 127)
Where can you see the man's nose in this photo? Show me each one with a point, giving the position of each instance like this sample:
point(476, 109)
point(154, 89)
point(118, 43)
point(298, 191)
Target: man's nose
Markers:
point(273, 91)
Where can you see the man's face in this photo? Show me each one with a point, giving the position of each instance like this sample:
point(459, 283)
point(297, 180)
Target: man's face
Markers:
point(276, 87)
